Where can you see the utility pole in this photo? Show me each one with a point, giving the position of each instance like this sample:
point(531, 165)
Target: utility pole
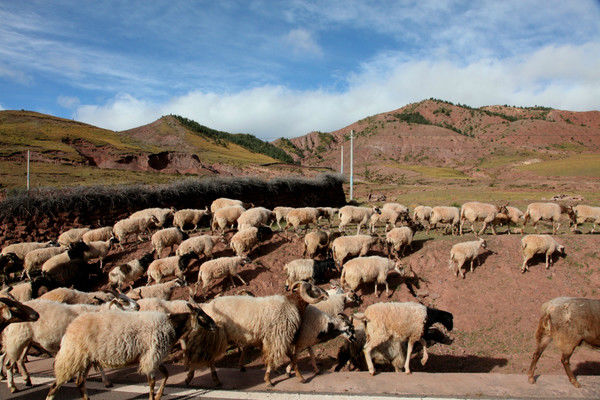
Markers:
point(351, 164)
point(27, 170)
point(342, 160)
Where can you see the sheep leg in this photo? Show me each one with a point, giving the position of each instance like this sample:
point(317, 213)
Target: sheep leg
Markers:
point(23, 371)
point(524, 267)
point(472, 259)
point(425, 356)
point(483, 228)
point(214, 376)
point(267, 378)
point(387, 289)
point(2, 375)
point(241, 360)
point(190, 376)
point(240, 278)
point(547, 263)
point(163, 370)
point(542, 343)
point(294, 363)
point(81, 379)
point(10, 378)
point(232, 282)
point(369, 346)
point(313, 360)
point(151, 383)
point(408, 355)
point(564, 359)
point(375, 290)
point(105, 381)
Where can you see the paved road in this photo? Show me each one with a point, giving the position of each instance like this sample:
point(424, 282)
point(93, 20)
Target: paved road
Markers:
point(329, 386)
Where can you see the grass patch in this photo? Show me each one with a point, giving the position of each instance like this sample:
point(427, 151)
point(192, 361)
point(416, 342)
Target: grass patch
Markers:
point(581, 165)
point(432, 172)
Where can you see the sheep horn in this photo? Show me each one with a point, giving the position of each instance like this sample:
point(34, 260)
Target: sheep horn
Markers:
point(310, 293)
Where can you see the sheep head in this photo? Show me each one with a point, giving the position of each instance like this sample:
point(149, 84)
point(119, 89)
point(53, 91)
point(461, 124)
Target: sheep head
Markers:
point(201, 318)
point(14, 311)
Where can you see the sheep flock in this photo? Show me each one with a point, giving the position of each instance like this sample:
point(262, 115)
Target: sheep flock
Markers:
point(87, 311)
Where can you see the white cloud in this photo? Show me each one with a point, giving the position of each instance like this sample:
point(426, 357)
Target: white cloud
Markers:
point(68, 101)
point(1, 108)
point(566, 77)
point(302, 43)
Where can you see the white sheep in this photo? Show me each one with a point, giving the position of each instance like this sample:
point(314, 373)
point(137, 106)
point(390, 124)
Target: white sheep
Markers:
point(168, 266)
point(445, 215)
point(71, 236)
point(160, 290)
point(47, 331)
point(422, 215)
point(134, 226)
point(272, 322)
point(255, 217)
point(314, 242)
point(129, 271)
point(35, 258)
point(281, 214)
point(202, 244)
point(20, 250)
point(167, 237)
point(245, 240)
point(302, 217)
point(74, 296)
point(99, 249)
point(404, 322)
point(223, 202)
point(387, 216)
point(539, 244)
point(512, 216)
point(398, 239)
point(369, 269)
point(190, 216)
point(585, 213)
point(401, 209)
point(26, 291)
point(314, 271)
point(547, 212)
point(475, 211)
point(226, 217)
point(95, 235)
point(356, 215)
point(221, 268)
point(163, 215)
point(116, 339)
point(352, 246)
point(463, 252)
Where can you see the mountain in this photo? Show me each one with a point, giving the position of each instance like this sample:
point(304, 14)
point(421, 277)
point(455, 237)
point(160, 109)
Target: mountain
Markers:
point(435, 137)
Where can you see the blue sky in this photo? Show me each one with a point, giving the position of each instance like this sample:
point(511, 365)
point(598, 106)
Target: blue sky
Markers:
point(284, 68)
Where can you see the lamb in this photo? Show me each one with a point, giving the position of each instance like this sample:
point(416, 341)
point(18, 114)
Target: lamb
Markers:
point(391, 352)
point(20, 250)
point(99, 249)
point(463, 252)
point(539, 244)
point(357, 215)
point(130, 271)
point(167, 237)
point(202, 244)
point(569, 321)
point(169, 266)
point(353, 246)
point(35, 258)
point(65, 267)
point(446, 215)
point(47, 331)
point(190, 216)
point(586, 214)
point(14, 311)
point(547, 212)
point(404, 322)
point(73, 296)
point(307, 270)
point(475, 211)
point(303, 216)
point(161, 290)
point(512, 216)
point(133, 226)
point(369, 269)
point(224, 202)
point(255, 217)
point(389, 216)
point(95, 235)
point(314, 242)
point(226, 217)
point(221, 268)
point(72, 236)
point(398, 239)
point(245, 240)
point(422, 215)
point(114, 339)
point(281, 214)
point(163, 216)
point(328, 213)
point(272, 322)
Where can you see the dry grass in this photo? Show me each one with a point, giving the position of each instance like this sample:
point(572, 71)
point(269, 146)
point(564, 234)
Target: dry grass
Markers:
point(587, 165)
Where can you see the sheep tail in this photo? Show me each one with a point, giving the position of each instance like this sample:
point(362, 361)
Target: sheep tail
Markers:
point(544, 327)
point(434, 316)
point(69, 363)
point(526, 217)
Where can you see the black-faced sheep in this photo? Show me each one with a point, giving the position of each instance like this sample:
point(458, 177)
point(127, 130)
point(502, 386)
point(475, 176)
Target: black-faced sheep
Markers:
point(115, 339)
point(539, 244)
point(570, 322)
point(463, 252)
point(129, 271)
point(68, 267)
point(406, 322)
